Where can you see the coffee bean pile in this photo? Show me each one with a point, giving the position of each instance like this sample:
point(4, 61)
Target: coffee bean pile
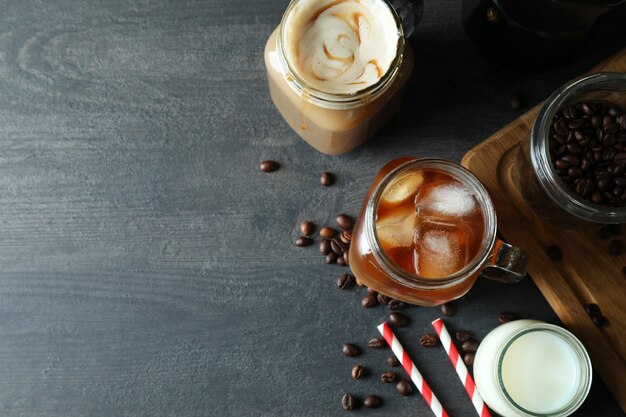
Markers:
point(334, 246)
point(588, 150)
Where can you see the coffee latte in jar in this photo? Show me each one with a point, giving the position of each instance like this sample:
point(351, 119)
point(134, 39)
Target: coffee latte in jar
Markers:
point(337, 70)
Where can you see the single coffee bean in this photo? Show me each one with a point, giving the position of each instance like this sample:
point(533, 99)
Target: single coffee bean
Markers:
point(398, 319)
point(349, 402)
point(303, 241)
point(616, 247)
point(382, 299)
point(388, 377)
point(369, 301)
point(377, 343)
point(325, 247)
point(269, 166)
point(468, 359)
point(307, 228)
point(331, 258)
point(404, 387)
point(462, 335)
point(346, 237)
point(350, 350)
point(506, 317)
point(372, 401)
point(337, 246)
point(345, 281)
point(327, 179)
point(341, 261)
point(396, 305)
point(429, 340)
point(470, 346)
point(554, 253)
point(346, 258)
point(593, 310)
point(358, 371)
point(327, 232)
point(393, 361)
point(447, 309)
point(517, 101)
point(344, 221)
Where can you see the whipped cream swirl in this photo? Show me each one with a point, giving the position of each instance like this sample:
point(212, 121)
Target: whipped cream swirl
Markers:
point(340, 46)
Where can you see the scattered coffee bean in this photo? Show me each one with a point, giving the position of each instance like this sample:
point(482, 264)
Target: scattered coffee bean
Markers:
point(350, 350)
point(517, 101)
point(369, 301)
point(470, 346)
point(346, 258)
point(345, 281)
point(346, 237)
point(600, 321)
point(331, 258)
point(396, 305)
point(349, 402)
point(307, 228)
point(358, 371)
point(593, 310)
point(404, 387)
point(382, 299)
point(327, 232)
point(337, 246)
point(377, 343)
point(325, 247)
point(554, 253)
point(398, 319)
point(616, 247)
point(429, 340)
point(393, 361)
point(341, 261)
point(506, 317)
point(468, 359)
point(388, 377)
point(327, 179)
point(344, 221)
point(372, 401)
point(269, 166)
point(303, 241)
point(447, 309)
point(462, 335)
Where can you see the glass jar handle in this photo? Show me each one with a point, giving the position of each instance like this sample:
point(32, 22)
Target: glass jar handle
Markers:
point(507, 264)
point(410, 12)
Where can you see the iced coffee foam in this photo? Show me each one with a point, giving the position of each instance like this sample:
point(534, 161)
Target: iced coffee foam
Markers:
point(340, 46)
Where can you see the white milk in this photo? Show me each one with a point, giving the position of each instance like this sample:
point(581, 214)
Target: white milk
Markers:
point(528, 366)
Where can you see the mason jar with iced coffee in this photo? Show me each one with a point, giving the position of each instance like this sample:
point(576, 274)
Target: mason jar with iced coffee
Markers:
point(426, 231)
point(337, 69)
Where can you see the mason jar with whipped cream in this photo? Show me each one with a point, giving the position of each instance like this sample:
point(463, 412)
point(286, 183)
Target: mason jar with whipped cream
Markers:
point(337, 69)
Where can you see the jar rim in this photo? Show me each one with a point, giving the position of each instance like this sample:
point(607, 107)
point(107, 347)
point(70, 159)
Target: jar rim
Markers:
point(466, 177)
point(339, 100)
point(546, 174)
point(581, 354)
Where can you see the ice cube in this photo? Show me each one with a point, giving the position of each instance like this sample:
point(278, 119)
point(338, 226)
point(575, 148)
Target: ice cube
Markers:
point(395, 228)
point(441, 248)
point(402, 189)
point(449, 199)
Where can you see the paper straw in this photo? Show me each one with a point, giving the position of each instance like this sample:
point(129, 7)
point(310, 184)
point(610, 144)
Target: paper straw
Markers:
point(460, 368)
point(410, 369)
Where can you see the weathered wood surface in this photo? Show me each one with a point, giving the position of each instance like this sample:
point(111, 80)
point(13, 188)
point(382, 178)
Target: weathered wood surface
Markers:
point(147, 266)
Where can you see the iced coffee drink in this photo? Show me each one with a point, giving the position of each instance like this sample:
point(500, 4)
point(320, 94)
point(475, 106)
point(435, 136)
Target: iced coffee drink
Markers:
point(336, 70)
point(426, 231)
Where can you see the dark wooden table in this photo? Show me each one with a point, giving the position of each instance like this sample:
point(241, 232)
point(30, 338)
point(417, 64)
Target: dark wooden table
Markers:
point(148, 267)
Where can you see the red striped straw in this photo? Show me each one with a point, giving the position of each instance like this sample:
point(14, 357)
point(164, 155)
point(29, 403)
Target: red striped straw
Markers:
point(460, 368)
point(410, 369)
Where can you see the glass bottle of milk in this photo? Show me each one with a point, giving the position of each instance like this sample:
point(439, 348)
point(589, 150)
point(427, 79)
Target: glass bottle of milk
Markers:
point(530, 368)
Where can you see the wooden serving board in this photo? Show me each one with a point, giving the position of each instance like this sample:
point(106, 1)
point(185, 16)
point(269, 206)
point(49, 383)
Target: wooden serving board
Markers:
point(586, 274)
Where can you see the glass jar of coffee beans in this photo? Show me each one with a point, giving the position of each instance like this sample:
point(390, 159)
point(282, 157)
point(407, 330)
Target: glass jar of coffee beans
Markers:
point(573, 169)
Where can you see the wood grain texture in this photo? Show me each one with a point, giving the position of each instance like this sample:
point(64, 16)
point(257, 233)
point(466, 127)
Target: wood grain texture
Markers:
point(147, 266)
point(589, 274)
